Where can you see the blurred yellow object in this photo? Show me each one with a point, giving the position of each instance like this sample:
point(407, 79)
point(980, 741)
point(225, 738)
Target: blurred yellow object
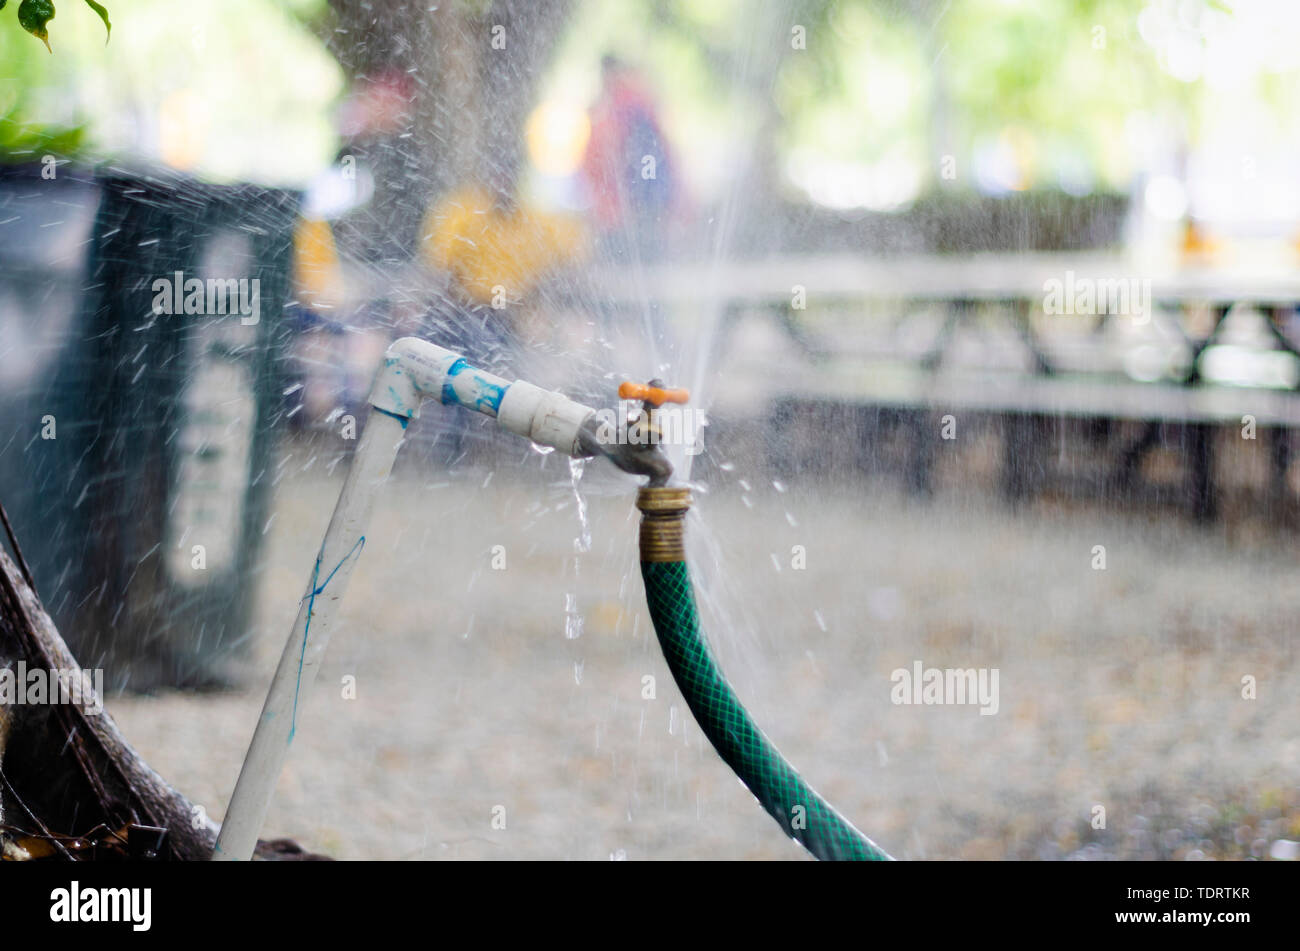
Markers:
point(493, 254)
point(318, 279)
point(1197, 245)
point(183, 125)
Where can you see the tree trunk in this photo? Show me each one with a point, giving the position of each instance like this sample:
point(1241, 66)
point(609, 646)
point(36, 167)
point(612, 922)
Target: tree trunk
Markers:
point(473, 70)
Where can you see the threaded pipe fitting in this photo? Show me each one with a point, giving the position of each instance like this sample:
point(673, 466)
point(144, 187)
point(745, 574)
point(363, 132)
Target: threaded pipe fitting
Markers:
point(663, 514)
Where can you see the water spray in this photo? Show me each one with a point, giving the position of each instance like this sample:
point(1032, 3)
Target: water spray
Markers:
point(414, 371)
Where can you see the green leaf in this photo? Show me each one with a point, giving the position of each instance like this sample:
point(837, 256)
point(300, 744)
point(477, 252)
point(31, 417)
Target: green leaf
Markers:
point(24, 142)
point(103, 15)
point(32, 17)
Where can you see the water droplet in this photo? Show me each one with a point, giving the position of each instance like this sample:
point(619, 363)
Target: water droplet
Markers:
point(582, 543)
point(572, 619)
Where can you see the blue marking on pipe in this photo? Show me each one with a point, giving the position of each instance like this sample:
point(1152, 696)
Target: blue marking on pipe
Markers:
point(404, 420)
point(311, 604)
point(397, 401)
point(490, 396)
point(487, 395)
point(448, 391)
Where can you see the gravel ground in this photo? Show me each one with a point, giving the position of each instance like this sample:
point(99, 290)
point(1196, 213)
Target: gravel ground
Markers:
point(519, 691)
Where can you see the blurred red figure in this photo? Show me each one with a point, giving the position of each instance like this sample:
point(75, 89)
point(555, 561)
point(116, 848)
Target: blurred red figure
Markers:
point(628, 168)
point(378, 106)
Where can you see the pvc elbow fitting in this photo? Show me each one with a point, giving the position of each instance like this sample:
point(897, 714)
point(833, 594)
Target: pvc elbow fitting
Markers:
point(413, 369)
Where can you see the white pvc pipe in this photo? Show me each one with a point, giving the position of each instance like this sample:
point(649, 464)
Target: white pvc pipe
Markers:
point(344, 540)
point(413, 370)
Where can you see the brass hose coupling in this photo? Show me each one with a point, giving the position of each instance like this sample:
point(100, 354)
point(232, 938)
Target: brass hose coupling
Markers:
point(663, 515)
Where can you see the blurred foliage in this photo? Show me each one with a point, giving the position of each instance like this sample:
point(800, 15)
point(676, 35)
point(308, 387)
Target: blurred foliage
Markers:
point(903, 83)
point(23, 142)
point(226, 89)
point(946, 76)
point(885, 89)
point(1072, 73)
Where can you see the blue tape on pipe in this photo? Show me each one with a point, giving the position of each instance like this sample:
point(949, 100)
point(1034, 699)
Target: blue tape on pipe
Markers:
point(404, 420)
point(487, 395)
point(448, 391)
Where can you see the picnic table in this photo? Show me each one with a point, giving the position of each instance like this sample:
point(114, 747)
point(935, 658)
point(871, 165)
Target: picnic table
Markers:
point(840, 319)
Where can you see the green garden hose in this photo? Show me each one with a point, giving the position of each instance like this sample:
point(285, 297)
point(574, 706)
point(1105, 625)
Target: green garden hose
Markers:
point(805, 816)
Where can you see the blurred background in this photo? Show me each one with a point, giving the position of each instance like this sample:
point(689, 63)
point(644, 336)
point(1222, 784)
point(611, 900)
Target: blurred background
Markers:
point(988, 309)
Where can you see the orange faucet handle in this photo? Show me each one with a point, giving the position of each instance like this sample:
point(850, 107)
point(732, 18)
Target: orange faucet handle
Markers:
point(653, 395)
